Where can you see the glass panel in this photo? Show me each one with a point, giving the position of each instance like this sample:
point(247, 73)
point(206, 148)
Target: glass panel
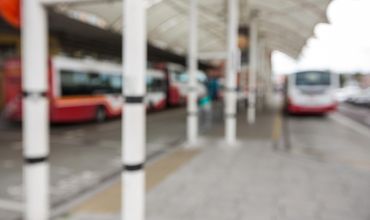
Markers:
point(81, 83)
point(313, 78)
point(155, 84)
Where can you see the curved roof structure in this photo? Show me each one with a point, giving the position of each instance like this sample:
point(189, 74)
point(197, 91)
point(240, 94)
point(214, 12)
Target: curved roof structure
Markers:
point(284, 25)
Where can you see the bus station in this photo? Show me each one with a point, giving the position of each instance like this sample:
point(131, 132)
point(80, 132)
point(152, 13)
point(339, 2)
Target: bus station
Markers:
point(180, 109)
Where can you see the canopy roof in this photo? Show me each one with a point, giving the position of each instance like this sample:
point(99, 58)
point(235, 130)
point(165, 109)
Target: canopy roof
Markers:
point(285, 25)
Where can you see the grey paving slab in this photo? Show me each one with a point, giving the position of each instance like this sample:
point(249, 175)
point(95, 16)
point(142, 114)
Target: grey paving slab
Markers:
point(92, 217)
point(325, 175)
point(255, 182)
point(324, 139)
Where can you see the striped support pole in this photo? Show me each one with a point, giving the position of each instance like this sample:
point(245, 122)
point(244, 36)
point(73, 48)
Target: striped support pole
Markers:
point(35, 111)
point(192, 108)
point(231, 72)
point(253, 56)
point(134, 111)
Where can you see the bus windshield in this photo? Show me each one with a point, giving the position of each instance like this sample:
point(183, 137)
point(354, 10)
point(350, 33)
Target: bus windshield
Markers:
point(155, 84)
point(313, 78)
point(184, 77)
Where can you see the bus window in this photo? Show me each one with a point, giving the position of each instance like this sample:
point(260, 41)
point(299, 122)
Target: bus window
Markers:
point(158, 85)
point(313, 78)
point(155, 85)
point(116, 84)
point(97, 83)
point(79, 83)
point(74, 83)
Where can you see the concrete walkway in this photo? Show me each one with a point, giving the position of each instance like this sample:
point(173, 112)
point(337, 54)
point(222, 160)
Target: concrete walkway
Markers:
point(254, 180)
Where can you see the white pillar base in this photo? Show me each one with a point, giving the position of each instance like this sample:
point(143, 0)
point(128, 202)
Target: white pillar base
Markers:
point(251, 115)
point(36, 191)
point(230, 131)
point(222, 143)
point(192, 129)
point(133, 204)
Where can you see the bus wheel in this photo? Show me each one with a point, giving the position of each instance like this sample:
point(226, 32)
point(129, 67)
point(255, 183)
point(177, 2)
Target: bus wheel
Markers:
point(100, 115)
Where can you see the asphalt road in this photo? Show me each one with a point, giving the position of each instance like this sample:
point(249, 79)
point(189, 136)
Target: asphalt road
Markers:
point(335, 138)
point(357, 113)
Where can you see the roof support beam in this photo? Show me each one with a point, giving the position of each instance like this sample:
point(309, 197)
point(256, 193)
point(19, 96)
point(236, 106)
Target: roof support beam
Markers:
point(218, 55)
point(311, 7)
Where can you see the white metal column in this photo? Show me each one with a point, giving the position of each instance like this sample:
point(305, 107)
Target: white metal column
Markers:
point(261, 74)
point(134, 111)
point(253, 56)
point(231, 72)
point(192, 107)
point(269, 79)
point(265, 75)
point(244, 72)
point(35, 110)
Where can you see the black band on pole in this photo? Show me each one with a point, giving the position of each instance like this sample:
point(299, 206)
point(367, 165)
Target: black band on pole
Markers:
point(135, 167)
point(35, 160)
point(134, 99)
point(33, 94)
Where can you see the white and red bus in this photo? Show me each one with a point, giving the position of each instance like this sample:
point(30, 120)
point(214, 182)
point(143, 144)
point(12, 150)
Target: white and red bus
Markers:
point(311, 92)
point(177, 83)
point(156, 97)
point(79, 89)
point(180, 80)
point(174, 97)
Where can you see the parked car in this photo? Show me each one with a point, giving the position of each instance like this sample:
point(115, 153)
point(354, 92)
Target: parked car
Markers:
point(361, 99)
point(345, 93)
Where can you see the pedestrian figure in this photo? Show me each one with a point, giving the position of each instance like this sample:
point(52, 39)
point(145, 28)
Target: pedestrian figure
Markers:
point(205, 108)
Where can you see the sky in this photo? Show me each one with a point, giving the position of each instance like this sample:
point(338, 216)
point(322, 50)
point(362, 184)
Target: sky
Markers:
point(341, 46)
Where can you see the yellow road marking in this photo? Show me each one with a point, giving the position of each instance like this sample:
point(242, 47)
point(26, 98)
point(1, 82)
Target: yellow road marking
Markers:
point(108, 201)
point(277, 127)
point(160, 170)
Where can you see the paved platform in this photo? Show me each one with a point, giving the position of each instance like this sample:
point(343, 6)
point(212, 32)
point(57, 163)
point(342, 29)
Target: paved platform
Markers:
point(83, 157)
point(256, 183)
point(360, 114)
point(256, 179)
point(282, 168)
